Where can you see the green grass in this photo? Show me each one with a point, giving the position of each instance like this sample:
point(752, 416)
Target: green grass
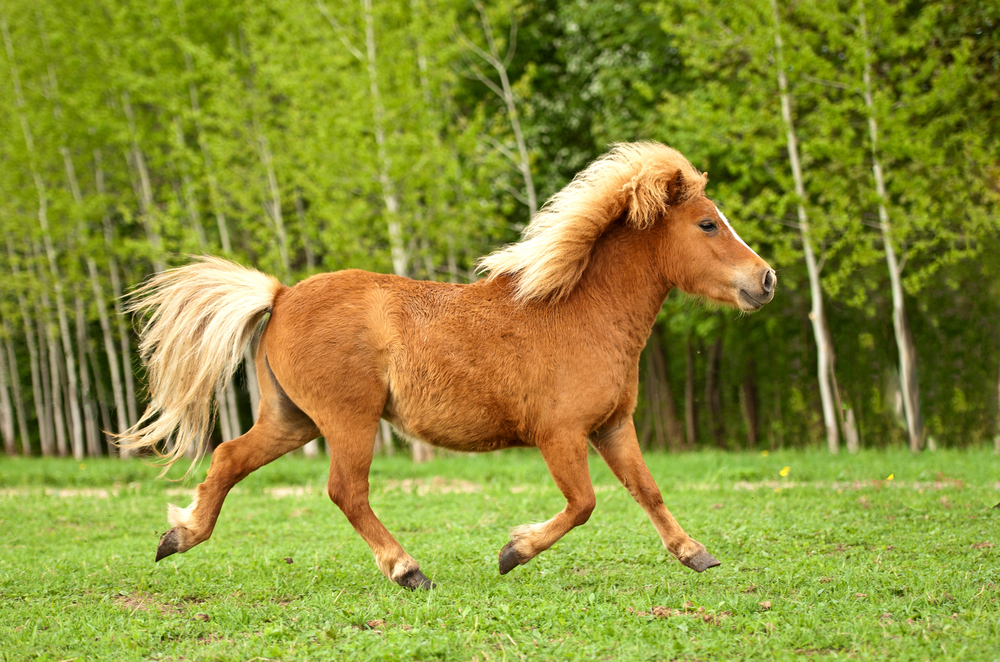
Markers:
point(852, 565)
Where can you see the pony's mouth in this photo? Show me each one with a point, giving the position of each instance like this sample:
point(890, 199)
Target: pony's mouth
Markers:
point(748, 303)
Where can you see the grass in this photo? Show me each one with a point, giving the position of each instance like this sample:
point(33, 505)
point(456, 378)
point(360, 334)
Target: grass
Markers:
point(830, 561)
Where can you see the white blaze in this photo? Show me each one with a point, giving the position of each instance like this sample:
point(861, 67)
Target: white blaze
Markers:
point(728, 225)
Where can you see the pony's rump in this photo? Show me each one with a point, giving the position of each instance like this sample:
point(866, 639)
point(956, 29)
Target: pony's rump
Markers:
point(199, 319)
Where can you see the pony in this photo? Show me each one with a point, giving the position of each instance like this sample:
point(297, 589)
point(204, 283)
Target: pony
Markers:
point(543, 352)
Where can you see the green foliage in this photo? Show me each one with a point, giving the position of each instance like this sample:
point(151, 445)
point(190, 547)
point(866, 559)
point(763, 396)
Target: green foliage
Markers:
point(250, 130)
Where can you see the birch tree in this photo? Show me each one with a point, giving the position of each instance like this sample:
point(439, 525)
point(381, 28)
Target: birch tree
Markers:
point(6, 410)
point(817, 315)
point(908, 386)
point(491, 56)
point(76, 430)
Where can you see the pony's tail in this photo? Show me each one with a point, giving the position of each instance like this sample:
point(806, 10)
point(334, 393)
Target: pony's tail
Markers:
point(199, 320)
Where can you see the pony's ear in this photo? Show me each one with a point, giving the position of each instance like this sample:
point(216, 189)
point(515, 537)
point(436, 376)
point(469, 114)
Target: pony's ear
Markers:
point(645, 200)
point(677, 188)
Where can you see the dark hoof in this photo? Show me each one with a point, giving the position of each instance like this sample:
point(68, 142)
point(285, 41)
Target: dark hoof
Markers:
point(509, 558)
point(415, 579)
point(169, 544)
point(702, 561)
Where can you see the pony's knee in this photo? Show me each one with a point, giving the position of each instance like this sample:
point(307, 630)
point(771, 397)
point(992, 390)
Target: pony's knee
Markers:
point(345, 498)
point(336, 493)
point(583, 509)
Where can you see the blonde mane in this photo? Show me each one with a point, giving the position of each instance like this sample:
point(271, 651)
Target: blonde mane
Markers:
point(556, 246)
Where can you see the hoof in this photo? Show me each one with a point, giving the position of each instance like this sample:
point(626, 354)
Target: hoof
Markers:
point(702, 561)
point(415, 579)
point(169, 544)
point(509, 558)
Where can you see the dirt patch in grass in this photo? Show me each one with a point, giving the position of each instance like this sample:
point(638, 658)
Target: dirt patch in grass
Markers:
point(688, 610)
point(139, 601)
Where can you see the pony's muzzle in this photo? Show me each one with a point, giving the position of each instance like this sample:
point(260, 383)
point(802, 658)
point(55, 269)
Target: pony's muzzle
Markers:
point(753, 291)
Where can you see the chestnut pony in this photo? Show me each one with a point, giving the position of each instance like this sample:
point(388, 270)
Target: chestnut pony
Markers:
point(543, 352)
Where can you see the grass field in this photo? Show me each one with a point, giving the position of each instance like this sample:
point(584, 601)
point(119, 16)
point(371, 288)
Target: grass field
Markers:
point(831, 560)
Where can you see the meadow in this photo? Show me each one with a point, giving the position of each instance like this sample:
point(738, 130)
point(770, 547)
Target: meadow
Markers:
point(879, 556)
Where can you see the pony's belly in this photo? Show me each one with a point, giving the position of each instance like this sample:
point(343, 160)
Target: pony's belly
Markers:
point(469, 445)
point(467, 430)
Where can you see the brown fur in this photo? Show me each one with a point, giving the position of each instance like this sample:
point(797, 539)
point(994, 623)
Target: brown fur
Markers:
point(492, 364)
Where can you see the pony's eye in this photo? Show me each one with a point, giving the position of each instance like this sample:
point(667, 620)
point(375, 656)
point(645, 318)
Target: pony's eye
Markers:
point(707, 226)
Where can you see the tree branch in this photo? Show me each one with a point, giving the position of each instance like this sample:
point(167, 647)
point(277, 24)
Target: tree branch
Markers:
point(512, 44)
point(321, 6)
point(500, 147)
point(829, 83)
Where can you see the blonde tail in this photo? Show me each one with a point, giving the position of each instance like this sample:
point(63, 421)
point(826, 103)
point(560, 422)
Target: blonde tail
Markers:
point(200, 318)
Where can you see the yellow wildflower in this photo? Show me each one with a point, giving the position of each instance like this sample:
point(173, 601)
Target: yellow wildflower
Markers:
point(784, 471)
point(890, 477)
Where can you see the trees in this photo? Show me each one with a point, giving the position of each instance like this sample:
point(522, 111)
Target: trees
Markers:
point(326, 134)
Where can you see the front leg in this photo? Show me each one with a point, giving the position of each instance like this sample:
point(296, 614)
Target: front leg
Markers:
point(566, 457)
point(620, 450)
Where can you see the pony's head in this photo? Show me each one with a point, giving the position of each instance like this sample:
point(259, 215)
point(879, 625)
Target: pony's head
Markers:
point(703, 255)
point(642, 185)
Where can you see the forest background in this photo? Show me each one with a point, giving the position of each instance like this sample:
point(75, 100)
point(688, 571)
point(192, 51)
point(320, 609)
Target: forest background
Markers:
point(854, 145)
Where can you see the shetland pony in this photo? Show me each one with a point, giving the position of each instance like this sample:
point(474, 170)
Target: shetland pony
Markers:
point(543, 352)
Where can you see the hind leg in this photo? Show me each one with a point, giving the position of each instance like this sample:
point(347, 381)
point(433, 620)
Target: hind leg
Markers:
point(351, 449)
point(281, 427)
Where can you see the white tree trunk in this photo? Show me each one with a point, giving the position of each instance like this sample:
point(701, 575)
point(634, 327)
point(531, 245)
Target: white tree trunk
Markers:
point(101, 301)
point(213, 184)
point(187, 190)
point(90, 426)
point(15, 380)
point(397, 245)
point(223, 414)
point(234, 412)
point(250, 369)
point(54, 401)
point(46, 442)
point(141, 183)
point(300, 213)
point(6, 410)
point(274, 204)
point(908, 385)
point(124, 336)
point(506, 93)
point(107, 424)
point(385, 432)
point(117, 389)
point(824, 349)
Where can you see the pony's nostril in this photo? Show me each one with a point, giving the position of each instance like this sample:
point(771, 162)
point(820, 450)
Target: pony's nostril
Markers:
point(768, 281)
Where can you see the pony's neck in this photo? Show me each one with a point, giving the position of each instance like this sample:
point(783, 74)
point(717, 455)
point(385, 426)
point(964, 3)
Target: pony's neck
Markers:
point(624, 284)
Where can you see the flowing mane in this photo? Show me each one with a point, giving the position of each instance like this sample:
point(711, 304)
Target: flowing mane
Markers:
point(555, 248)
